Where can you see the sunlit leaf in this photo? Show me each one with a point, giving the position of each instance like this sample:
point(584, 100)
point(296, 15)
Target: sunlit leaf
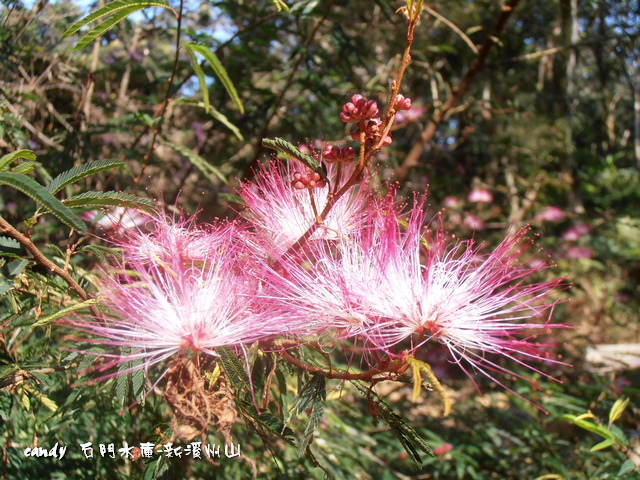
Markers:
point(114, 7)
point(199, 162)
point(78, 173)
point(65, 312)
point(9, 158)
point(33, 189)
point(219, 70)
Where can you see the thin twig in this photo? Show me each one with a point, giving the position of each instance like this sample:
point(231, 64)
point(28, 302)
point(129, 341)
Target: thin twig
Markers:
point(39, 135)
point(369, 375)
point(411, 160)
point(163, 108)
point(40, 258)
point(368, 148)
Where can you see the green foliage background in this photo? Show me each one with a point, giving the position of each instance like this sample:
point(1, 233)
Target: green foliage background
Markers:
point(551, 120)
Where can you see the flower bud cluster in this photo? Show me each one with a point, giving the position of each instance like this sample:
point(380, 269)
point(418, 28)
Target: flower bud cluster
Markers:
point(372, 129)
point(333, 154)
point(402, 103)
point(359, 109)
point(307, 180)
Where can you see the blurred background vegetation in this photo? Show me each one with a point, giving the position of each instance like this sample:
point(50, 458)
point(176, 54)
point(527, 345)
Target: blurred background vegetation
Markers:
point(537, 102)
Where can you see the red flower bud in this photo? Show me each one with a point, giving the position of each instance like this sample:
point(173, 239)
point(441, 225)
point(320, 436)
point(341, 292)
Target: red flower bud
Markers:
point(359, 109)
point(402, 103)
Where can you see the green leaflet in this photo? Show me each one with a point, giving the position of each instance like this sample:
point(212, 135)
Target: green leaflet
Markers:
point(214, 113)
point(627, 467)
point(618, 409)
point(312, 396)
point(200, 74)
point(24, 167)
point(78, 173)
point(122, 380)
point(234, 369)
point(108, 24)
point(602, 445)
point(280, 5)
point(64, 312)
point(266, 419)
point(225, 121)
point(13, 269)
point(110, 199)
point(219, 70)
point(281, 145)
point(100, 251)
point(9, 245)
point(199, 162)
point(41, 195)
point(5, 286)
point(9, 158)
point(590, 426)
point(409, 438)
point(129, 5)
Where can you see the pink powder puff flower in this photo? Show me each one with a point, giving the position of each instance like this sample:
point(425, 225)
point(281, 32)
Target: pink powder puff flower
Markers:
point(170, 237)
point(550, 214)
point(480, 195)
point(472, 302)
point(391, 286)
point(332, 285)
point(170, 302)
point(281, 213)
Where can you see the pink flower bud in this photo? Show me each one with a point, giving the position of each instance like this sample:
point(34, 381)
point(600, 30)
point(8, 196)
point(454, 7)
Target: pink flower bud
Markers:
point(371, 128)
point(298, 185)
point(402, 103)
point(358, 99)
point(442, 449)
point(348, 153)
point(370, 109)
point(359, 109)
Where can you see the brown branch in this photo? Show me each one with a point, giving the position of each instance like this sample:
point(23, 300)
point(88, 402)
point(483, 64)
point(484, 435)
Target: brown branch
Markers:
point(40, 258)
point(393, 367)
point(38, 134)
point(371, 146)
point(411, 160)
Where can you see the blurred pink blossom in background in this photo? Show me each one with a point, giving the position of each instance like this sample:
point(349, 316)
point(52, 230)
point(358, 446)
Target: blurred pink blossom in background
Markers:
point(579, 252)
point(480, 195)
point(550, 214)
point(574, 233)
